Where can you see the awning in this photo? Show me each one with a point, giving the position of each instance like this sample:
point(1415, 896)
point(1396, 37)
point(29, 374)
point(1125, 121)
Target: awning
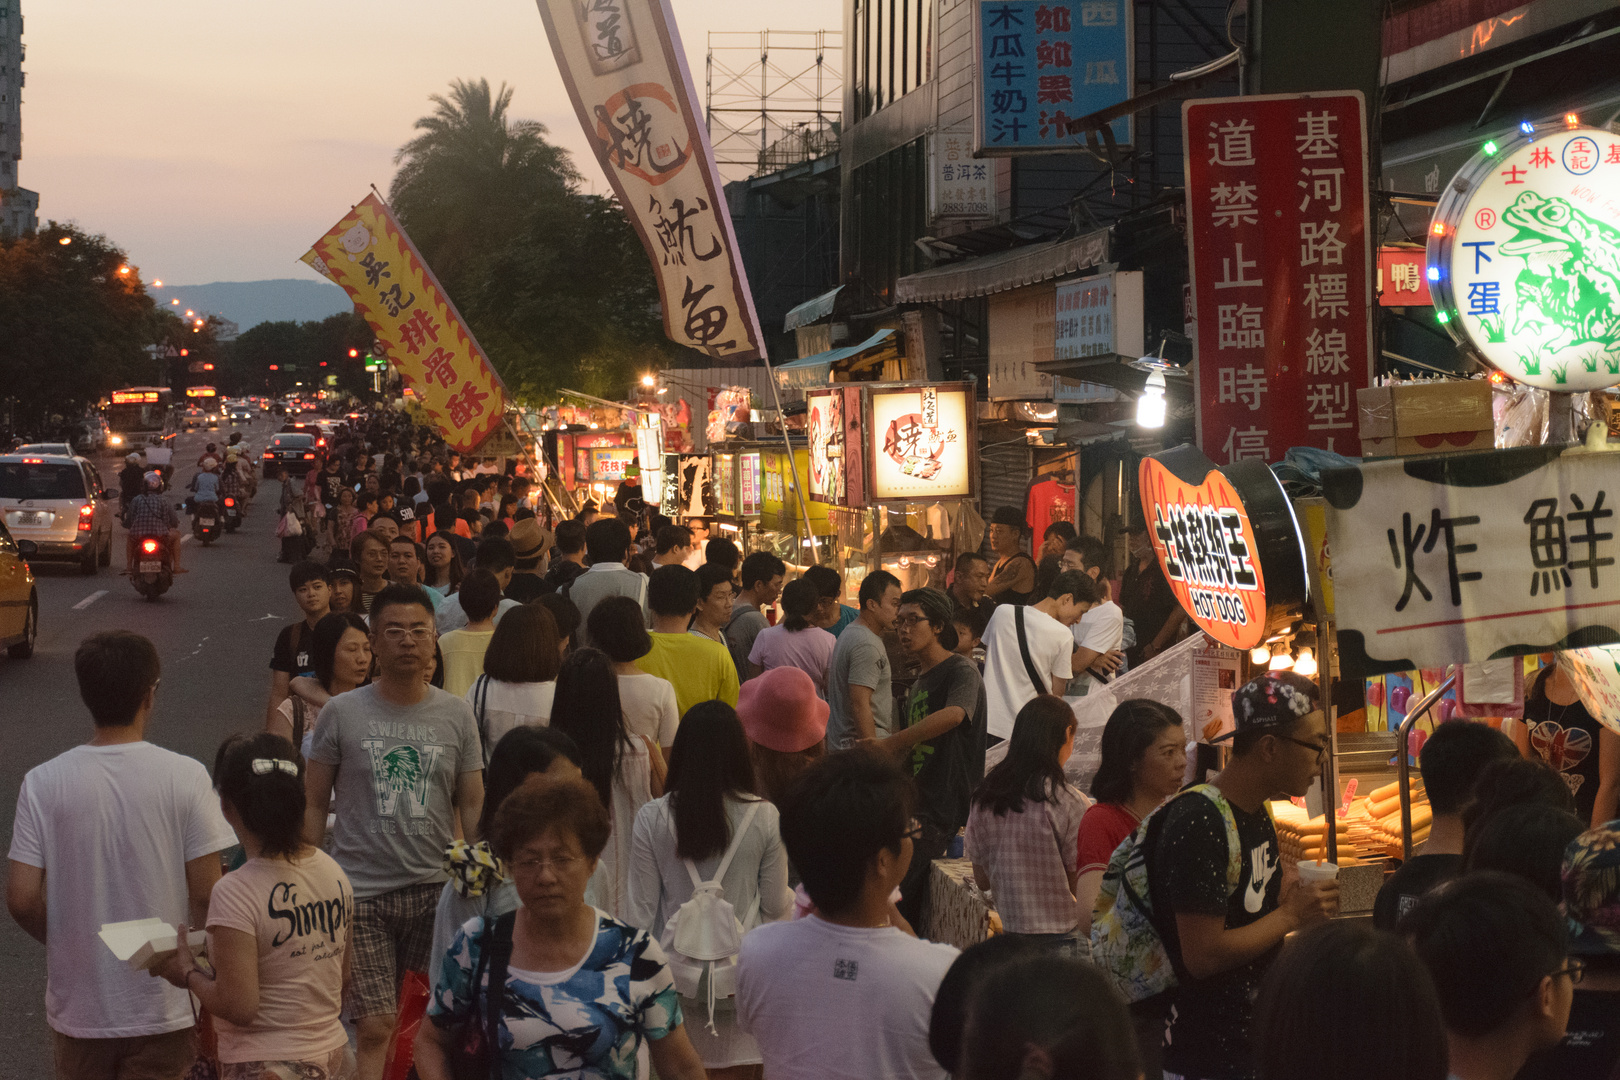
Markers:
point(814, 371)
point(813, 310)
point(1007, 270)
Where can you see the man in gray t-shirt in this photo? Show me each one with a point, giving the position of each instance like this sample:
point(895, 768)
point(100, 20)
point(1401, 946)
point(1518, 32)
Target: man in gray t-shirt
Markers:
point(402, 759)
point(761, 576)
point(860, 697)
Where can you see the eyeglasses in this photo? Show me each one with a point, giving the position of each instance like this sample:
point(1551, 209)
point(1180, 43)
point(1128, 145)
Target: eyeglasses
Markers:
point(914, 831)
point(1316, 748)
point(908, 621)
point(530, 867)
point(1575, 969)
point(398, 634)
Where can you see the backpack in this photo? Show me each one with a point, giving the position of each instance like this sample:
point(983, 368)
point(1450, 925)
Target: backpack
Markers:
point(702, 938)
point(1126, 945)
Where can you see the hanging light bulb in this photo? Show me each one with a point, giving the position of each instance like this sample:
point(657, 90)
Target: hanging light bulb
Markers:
point(1260, 654)
point(1281, 660)
point(1150, 406)
point(1305, 664)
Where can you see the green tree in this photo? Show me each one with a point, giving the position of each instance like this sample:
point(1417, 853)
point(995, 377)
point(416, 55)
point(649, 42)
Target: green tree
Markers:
point(297, 350)
point(553, 282)
point(74, 322)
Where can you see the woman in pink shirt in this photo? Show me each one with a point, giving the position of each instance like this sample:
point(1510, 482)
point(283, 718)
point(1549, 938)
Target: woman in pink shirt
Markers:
point(1144, 756)
point(795, 641)
point(278, 928)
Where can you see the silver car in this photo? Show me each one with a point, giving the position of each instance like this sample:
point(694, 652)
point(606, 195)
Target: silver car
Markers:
point(58, 502)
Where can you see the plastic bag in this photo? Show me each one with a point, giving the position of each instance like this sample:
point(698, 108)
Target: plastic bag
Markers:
point(413, 1001)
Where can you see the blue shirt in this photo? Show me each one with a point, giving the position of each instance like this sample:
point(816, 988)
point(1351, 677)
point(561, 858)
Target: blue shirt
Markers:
point(206, 485)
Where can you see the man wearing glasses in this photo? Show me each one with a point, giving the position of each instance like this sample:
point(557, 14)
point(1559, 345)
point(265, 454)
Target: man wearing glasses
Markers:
point(403, 761)
point(1221, 938)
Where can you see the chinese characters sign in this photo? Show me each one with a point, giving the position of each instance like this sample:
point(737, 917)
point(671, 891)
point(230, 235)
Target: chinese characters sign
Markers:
point(921, 443)
point(1099, 316)
point(369, 255)
point(828, 461)
point(1473, 556)
point(1044, 63)
point(626, 75)
point(963, 187)
point(1402, 281)
point(1281, 271)
point(1522, 255)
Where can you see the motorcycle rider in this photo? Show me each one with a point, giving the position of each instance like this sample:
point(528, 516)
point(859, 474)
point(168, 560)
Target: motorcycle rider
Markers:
point(209, 451)
point(230, 480)
point(205, 484)
point(151, 517)
point(131, 482)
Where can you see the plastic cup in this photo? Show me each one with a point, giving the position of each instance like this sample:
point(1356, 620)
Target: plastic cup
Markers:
point(1311, 871)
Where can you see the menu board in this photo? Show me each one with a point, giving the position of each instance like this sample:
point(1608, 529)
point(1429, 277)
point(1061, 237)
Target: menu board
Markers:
point(921, 443)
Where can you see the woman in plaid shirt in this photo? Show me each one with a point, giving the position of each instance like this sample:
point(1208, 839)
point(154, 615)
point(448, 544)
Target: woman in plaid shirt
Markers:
point(1023, 828)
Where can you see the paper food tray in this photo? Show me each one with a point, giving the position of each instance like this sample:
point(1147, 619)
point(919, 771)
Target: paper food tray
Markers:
point(142, 943)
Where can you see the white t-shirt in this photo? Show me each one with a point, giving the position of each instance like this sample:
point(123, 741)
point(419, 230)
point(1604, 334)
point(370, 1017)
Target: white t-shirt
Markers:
point(507, 705)
point(829, 1002)
point(113, 828)
point(649, 707)
point(1102, 629)
point(1007, 685)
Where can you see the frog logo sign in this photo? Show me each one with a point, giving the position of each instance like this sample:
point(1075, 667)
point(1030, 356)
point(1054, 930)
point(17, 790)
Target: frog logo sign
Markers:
point(1524, 257)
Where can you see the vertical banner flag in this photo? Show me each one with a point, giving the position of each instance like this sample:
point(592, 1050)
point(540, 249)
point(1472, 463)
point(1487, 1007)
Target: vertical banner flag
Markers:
point(1282, 267)
point(369, 255)
point(626, 74)
point(1043, 63)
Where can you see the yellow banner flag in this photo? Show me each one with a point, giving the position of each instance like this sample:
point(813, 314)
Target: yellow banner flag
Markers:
point(426, 340)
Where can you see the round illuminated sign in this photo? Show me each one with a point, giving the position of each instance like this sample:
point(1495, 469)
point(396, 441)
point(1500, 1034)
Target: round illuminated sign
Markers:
point(1524, 257)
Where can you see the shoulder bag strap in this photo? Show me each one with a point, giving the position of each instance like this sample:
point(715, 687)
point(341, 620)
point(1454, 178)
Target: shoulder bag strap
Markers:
point(1023, 651)
point(501, 947)
point(480, 711)
point(731, 849)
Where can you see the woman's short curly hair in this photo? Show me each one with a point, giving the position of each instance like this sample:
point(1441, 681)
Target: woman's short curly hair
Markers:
point(548, 802)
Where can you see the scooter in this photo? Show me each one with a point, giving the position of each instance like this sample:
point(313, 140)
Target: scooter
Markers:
point(205, 522)
point(233, 513)
point(153, 572)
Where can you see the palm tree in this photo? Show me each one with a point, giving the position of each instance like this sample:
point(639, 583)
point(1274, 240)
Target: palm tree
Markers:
point(471, 176)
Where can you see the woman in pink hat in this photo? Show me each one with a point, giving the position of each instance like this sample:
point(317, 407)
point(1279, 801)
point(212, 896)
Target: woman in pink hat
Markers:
point(786, 724)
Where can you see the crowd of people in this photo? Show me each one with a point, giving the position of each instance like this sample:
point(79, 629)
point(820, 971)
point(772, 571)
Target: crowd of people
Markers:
point(572, 792)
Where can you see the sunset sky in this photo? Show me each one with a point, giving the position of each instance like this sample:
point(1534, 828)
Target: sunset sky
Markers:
point(215, 140)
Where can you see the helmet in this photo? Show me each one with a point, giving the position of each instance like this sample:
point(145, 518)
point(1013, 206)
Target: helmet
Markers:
point(230, 453)
point(154, 481)
point(210, 464)
point(133, 459)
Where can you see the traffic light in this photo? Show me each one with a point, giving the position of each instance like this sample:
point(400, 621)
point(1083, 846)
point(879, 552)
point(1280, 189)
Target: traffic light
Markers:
point(275, 367)
point(208, 367)
point(354, 354)
point(185, 352)
point(323, 363)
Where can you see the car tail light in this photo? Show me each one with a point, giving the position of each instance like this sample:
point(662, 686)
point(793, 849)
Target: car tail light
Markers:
point(87, 517)
point(268, 454)
point(87, 511)
point(149, 546)
point(320, 442)
point(229, 501)
point(309, 457)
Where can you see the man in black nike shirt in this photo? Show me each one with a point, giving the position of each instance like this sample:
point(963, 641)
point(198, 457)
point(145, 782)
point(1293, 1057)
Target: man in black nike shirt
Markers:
point(1222, 898)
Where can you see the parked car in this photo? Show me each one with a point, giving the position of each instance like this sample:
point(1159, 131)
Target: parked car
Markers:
point(19, 599)
point(57, 502)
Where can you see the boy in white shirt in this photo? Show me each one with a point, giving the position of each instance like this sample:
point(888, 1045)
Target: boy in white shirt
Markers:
point(112, 830)
point(1100, 633)
point(846, 992)
point(1048, 643)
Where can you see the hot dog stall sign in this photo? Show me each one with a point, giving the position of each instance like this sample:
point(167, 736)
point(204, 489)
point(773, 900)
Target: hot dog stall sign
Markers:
point(1227, 541)
point(1524, 256)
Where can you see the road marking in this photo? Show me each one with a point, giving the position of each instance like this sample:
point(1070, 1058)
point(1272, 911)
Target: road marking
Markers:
point(186, 537)
point(92, 598)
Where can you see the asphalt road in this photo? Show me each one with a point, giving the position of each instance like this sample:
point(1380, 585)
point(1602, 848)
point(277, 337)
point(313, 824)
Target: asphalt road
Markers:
point(214, 631)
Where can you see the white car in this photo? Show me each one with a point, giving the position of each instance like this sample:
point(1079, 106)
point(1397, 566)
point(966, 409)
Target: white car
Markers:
point(57, 501)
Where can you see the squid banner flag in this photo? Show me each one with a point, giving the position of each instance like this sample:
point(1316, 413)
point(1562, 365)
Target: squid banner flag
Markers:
point(417, 326)
point(626, 74)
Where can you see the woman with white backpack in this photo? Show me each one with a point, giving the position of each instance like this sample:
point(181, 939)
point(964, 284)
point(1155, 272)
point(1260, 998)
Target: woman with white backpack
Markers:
point(707, 861)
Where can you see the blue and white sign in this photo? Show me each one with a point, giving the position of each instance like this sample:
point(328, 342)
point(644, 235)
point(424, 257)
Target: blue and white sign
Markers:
point(1043, 63)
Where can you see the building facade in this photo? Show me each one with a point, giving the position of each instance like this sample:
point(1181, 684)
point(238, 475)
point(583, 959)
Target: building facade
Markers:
point(18, 206)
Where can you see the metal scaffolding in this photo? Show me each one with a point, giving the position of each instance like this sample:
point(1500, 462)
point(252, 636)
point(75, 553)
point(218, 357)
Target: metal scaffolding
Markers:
point(773, 98)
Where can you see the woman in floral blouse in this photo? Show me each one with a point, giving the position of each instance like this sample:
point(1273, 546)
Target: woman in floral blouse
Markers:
point(582, 990)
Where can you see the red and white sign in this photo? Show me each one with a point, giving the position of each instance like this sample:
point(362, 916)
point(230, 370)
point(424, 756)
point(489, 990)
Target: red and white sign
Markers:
point(1402, 277)
point(1281, 267)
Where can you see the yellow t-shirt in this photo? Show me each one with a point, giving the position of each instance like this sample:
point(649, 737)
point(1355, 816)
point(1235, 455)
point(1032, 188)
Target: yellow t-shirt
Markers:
point(463, 653)
point(699, 668)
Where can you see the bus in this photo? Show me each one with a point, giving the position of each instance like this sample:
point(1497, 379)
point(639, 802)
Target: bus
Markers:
point(137, 415)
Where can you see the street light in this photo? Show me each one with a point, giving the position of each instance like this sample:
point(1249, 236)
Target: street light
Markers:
point(156, 284)
point(123, 269)
point(65, 241)
point(648, 381)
